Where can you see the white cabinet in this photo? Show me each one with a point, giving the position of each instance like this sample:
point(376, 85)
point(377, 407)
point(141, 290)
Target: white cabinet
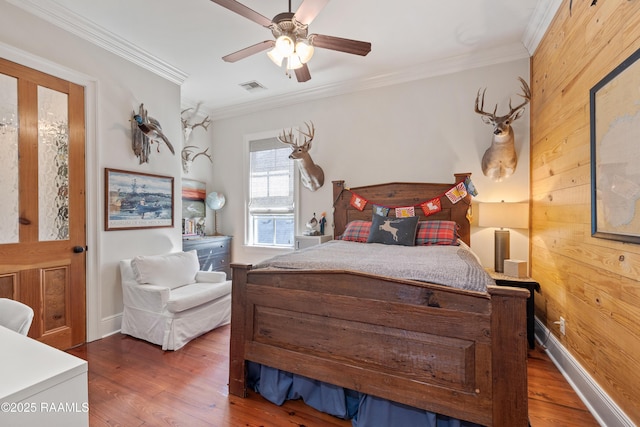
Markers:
point(308, 241)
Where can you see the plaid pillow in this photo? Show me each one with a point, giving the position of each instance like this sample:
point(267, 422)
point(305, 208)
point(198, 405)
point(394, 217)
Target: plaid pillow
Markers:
point(437, 233)
point(357, 231)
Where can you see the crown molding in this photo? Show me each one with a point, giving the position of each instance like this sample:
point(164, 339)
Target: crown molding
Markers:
point(69, 21)
point(540, 20)
point(64, 18)
point(426, 70)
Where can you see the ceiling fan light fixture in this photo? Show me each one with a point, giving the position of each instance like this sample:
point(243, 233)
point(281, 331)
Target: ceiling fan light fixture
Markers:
point(285, 45)
point(275, 56)
point(304, 50)
point(293, 62)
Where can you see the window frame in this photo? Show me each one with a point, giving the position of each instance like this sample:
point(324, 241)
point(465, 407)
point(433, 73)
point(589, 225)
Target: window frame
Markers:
point(248, 218)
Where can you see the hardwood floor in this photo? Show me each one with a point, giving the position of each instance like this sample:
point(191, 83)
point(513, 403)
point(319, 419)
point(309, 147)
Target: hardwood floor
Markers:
point(134, 383)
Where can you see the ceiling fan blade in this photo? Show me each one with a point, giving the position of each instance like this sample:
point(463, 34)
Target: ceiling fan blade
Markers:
point(243, 10)
point(343, 45)
point(308, 10)
point(248, 51)
point(303, 74)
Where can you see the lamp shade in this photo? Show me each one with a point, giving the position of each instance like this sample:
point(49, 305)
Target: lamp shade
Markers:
point(285, 45)
point(275, 55)
point(503, 215)
point(304, 51)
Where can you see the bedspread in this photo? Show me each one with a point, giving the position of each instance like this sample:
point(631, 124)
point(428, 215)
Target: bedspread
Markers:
point(454, 266)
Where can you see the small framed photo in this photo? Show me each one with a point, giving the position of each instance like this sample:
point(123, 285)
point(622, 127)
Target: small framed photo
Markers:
point(135, 200)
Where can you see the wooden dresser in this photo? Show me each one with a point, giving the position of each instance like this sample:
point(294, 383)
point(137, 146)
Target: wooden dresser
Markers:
point(214, 252)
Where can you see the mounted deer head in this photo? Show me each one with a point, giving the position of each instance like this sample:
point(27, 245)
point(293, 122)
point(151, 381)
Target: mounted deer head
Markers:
point(312, 175)
point(188, 156)
point(500, 159)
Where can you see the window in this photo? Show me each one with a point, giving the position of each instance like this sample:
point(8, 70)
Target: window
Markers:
point(271, 207)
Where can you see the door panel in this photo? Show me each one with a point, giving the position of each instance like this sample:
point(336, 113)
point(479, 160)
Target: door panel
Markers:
point(40, 267)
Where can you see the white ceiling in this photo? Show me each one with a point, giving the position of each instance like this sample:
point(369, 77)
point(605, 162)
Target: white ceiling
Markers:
point(184, 41)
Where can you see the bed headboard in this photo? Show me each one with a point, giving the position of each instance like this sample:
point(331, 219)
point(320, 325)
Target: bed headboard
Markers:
point(400, 194)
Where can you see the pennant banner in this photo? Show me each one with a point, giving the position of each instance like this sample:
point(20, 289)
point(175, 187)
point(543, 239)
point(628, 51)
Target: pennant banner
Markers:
point(405, 212)
point(471, 189)
point(381, 210)
point(454, 194)
point(431, 206)
point(358, 202)
point(457, 193)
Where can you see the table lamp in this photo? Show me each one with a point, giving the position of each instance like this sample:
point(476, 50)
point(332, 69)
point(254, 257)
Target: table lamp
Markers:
point(503, 216)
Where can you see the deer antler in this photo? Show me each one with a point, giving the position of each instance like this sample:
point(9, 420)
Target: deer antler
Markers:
point(309, 133)
point(480, 110)
point(187, 152)
point(204, 123)
point(185, 121)
point(288, 138)
point(526, 95)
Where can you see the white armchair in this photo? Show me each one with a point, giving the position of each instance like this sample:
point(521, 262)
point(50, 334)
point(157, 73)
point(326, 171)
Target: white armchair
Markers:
point(15, 315)
point(168, 301)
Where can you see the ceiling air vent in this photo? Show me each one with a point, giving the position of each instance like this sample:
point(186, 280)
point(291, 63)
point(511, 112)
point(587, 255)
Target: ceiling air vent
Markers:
point(252, 86)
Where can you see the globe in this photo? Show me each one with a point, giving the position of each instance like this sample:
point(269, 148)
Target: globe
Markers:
point(215, 200)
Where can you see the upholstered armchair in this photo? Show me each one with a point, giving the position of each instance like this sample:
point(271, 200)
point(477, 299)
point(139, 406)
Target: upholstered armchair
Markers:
point(168, 301)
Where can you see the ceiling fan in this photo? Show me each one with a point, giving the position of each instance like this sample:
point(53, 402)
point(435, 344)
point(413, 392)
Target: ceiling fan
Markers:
point(292, 41)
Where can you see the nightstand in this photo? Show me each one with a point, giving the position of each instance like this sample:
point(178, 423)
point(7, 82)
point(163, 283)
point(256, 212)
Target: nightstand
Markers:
point(526, 283)
point(302, 242)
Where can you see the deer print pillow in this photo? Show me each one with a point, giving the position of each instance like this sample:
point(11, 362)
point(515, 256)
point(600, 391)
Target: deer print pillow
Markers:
point(393, 231)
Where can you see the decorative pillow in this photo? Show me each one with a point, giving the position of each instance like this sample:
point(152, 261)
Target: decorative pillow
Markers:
point(171, 270)
point(393, 231)
point(357, 231)
point(437, 233)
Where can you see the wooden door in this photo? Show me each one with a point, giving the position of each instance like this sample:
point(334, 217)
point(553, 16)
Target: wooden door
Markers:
point(42, 188)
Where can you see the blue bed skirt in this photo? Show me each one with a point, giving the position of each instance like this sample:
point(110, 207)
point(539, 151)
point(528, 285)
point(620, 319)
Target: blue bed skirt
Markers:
point(363, 410)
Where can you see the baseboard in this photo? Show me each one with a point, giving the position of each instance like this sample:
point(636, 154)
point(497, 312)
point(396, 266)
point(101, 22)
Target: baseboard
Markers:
point(110, 325)
point(603, 408)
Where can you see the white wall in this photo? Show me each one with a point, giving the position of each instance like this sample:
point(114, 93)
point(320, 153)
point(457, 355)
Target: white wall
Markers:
point(420, 131)
point(115, 88)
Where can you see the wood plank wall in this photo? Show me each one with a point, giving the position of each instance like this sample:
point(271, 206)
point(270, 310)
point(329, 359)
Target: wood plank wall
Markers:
point(593, 283)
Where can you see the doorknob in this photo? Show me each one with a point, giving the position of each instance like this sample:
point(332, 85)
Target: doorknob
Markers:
point(78, 249)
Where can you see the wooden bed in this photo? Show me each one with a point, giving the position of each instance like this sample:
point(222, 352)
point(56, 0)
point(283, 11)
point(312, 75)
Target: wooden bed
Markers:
point(454, 352)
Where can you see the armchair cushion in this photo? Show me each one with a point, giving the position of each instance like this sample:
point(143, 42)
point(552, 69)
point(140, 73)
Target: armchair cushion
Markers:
point(196, 294)
point(211, 276)
point(171, 270)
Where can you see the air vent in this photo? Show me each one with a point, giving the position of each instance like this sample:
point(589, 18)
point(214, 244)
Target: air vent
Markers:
point(252, 86)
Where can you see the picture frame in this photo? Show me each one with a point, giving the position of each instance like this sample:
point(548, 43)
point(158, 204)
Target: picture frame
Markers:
point(193, 207)
point(615, 152)
point(193, 196)
point(136, 200)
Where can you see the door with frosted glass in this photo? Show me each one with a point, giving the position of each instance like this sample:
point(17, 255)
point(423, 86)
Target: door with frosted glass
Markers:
point(42, 201)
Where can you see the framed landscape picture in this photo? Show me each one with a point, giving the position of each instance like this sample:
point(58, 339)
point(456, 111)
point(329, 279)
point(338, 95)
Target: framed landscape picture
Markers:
point(193, 195)
point(135, 200)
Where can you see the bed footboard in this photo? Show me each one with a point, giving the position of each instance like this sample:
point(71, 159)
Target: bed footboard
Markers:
point(449, 351)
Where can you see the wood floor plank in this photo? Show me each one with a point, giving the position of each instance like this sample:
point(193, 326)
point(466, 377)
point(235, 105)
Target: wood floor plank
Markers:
point(134, 383)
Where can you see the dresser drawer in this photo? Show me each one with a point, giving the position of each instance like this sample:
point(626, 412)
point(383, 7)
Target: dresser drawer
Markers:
point(214, 253)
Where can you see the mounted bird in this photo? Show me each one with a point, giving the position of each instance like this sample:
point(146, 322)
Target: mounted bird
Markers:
point(145, 131)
